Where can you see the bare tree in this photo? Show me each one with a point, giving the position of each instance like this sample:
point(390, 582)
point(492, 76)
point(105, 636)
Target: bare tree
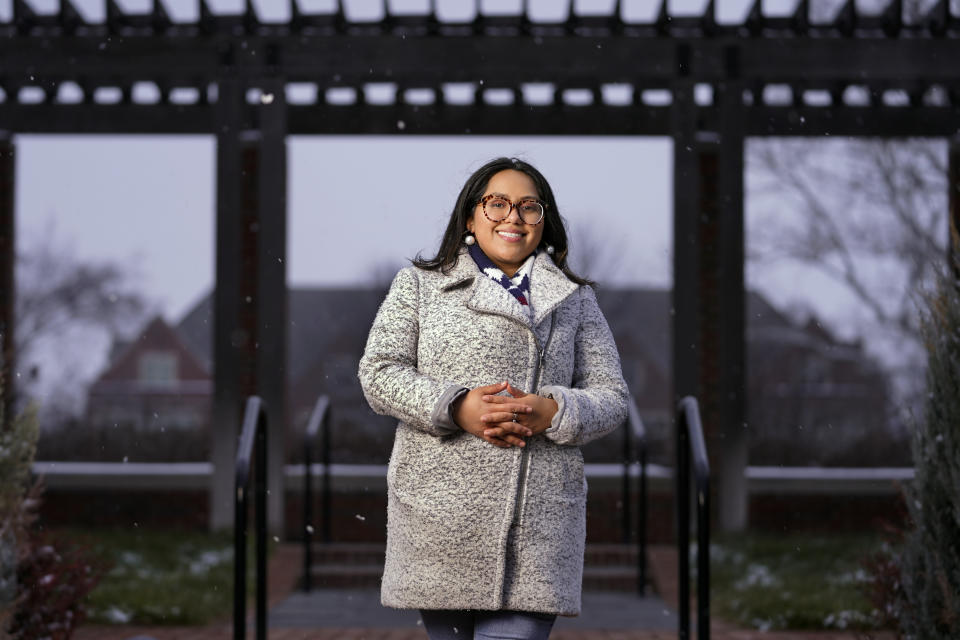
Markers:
point(868, 214)
point(58, 296)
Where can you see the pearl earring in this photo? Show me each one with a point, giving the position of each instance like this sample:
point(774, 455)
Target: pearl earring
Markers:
point(550, 249)
point(469, 240)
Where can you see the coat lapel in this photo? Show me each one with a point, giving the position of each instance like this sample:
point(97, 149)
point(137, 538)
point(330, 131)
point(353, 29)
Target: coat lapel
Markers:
point(490, 297)
point(463, 271)
point(486, 296)
point(548, 288)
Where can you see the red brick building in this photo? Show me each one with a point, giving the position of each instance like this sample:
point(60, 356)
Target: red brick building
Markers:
point(154, 381)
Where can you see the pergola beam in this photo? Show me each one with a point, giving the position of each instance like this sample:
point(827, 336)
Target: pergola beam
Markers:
point(109, 119)
point(424, 61)
point(485, 119)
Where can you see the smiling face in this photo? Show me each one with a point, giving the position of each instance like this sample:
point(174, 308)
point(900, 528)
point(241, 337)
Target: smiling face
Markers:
point(508, 242)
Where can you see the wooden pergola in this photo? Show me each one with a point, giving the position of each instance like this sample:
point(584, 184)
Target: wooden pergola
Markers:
point(706, 85)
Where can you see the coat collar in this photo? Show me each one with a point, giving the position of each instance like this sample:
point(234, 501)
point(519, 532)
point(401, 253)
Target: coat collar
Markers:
point(548, 288)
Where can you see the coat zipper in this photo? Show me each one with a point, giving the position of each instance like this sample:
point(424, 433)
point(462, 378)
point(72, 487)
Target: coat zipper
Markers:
point(525, 455)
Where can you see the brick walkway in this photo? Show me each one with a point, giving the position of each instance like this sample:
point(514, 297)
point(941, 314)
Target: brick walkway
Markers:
point(284, 572)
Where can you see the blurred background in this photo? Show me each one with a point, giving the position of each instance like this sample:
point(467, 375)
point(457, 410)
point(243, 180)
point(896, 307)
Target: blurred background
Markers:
point(115, 262)
point(126, 238)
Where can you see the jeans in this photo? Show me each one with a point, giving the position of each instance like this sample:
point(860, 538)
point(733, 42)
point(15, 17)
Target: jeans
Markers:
point(487, 625)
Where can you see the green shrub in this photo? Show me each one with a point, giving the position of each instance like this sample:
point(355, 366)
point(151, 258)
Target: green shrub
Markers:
point(42, 581)
point(18, 502)
point(927, 602)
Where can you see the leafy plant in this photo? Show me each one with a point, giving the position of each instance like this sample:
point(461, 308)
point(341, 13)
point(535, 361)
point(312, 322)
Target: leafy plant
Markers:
point(928, 599)
point(42, 582)
point(18, 502)
point(55, 580)
point(884, 589)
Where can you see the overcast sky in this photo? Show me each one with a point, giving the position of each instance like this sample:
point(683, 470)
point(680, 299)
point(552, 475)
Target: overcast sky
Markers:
point(356, 204)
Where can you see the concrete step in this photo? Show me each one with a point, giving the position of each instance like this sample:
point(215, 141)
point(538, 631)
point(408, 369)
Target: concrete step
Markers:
point(344, 576)
point(622, 579)
point(607, 554)
point(358, 553)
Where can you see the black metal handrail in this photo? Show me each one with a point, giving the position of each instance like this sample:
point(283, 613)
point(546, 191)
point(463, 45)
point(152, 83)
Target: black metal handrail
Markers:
point(635, 451)
point(253, 439)
point(319, 423)
point(690, 441)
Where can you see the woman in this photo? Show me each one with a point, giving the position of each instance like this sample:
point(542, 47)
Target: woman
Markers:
point(497, 361)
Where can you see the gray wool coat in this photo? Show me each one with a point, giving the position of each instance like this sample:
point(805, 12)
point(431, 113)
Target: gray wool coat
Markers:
point(471, 525)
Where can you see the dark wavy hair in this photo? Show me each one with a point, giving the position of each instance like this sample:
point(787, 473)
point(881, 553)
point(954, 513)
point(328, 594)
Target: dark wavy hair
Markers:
point(554, 232)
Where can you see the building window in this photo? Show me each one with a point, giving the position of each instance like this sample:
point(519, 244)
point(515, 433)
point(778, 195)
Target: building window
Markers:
point(158, 368)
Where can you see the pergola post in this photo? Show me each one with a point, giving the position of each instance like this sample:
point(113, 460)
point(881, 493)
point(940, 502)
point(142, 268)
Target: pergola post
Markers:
point(732, 436)
point(686, 243)
point(7, 267)
point(229, 338)
point(709, 345)
point(250, 302)
point(686, 293)
point(271, 301)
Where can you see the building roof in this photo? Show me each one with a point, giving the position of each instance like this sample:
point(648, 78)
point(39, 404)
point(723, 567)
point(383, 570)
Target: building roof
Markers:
point(337, 320)
point(328, 320)
point(157, 334)
point(650, 311)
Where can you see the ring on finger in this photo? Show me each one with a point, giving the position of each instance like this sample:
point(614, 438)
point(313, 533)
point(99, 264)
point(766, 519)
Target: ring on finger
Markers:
point(514, 416)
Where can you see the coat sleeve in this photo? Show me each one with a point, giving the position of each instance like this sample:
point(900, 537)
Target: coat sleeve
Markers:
point(388, 372)
point(596, 402)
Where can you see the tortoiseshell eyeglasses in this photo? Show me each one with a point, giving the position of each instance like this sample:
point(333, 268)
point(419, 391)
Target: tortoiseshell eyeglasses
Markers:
point(497, 209)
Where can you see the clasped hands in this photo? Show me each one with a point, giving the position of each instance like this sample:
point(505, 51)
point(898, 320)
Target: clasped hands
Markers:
point(503, 421)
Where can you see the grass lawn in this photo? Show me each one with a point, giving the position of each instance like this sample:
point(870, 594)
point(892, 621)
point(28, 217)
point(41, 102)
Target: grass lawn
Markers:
point(793, 581)
point(161, 577)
